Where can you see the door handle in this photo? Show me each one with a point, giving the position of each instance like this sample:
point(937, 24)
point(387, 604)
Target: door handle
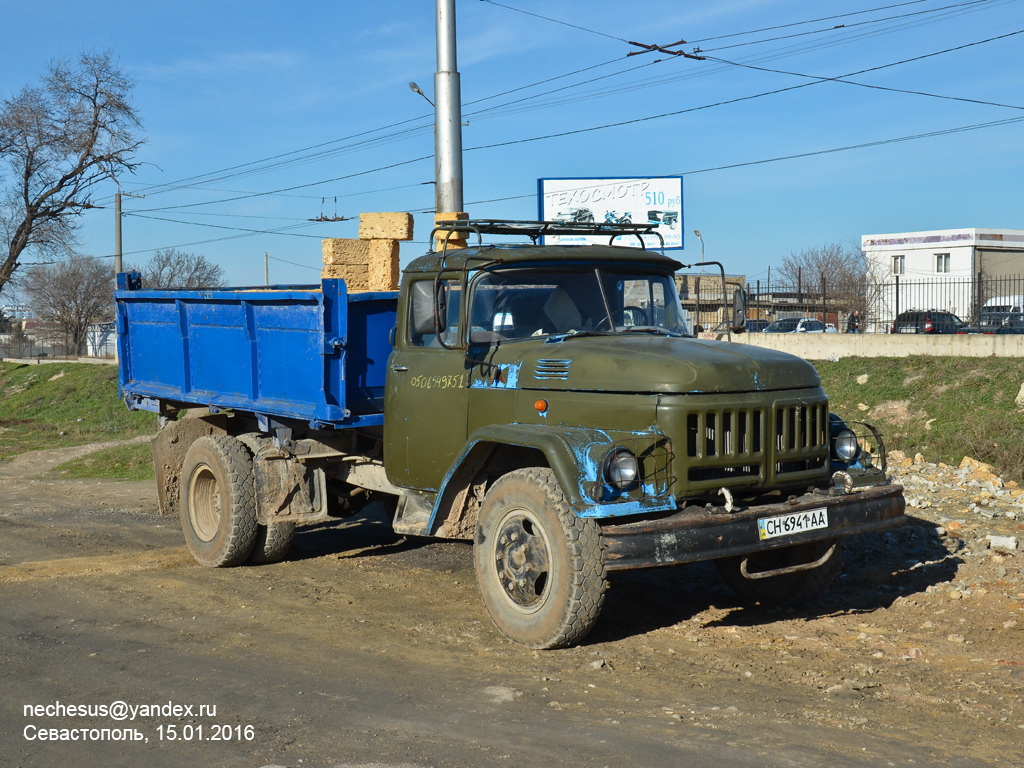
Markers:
point(399, 368)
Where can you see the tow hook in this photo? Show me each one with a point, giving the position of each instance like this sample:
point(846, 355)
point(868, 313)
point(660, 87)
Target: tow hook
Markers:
point(842, 480)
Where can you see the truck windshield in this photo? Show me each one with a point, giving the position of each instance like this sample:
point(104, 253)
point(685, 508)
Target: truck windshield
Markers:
point(510, 303)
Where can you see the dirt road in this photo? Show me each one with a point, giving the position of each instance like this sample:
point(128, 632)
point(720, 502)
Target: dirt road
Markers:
point(365, 648)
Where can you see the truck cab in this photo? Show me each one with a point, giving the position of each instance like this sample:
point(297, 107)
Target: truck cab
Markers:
point(574, 368)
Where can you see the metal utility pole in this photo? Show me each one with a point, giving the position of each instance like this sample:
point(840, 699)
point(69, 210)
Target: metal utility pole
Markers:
point(117, 233)
point(117, 228)
point(447, 115)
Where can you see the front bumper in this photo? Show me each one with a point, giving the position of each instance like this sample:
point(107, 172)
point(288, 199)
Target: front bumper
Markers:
point(696, 533)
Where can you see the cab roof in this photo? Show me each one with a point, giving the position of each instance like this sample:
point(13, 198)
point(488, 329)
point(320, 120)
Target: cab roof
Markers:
point(482, 254)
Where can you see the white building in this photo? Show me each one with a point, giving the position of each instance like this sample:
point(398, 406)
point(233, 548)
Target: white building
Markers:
point(955, 270)
point(100, 340)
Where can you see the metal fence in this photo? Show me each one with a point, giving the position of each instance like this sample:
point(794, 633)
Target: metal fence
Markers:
point(99, 344)
point(979, 300)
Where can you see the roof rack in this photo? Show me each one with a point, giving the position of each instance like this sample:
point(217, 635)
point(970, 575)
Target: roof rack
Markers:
point(537, 229)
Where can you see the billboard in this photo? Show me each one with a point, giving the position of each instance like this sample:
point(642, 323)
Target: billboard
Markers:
point(655, 200)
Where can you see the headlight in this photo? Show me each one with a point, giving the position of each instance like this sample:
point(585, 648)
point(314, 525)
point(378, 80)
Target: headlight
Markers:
point(620, 467)
point(845, 448)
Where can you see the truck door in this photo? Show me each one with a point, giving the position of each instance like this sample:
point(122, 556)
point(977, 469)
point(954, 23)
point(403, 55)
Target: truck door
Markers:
point(426, 399)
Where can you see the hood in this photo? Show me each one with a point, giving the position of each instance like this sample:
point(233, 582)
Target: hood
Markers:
point(656, 364)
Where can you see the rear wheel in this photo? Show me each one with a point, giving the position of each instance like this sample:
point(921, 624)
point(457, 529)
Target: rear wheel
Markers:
point(795, 588)
point(218, 510)
point(272, 543)
point(540, 568)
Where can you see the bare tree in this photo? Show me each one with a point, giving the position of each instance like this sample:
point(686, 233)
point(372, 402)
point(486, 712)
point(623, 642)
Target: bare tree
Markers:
point(73, 294)
point(57, 141)
point(171, 268)
point(842, 267)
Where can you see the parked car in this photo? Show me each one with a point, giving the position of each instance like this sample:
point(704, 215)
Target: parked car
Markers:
point(755, 326)
point(796, 325)
point(999, 312)
point(1014, 325)
point(928, 321)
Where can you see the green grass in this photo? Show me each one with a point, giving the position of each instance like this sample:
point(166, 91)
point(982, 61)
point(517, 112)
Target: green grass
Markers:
point(125, 462)
point(63, 404)
point(943, 407)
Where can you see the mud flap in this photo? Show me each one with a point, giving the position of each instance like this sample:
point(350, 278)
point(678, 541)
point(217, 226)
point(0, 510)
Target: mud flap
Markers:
point(288, 490)
point(169, 449)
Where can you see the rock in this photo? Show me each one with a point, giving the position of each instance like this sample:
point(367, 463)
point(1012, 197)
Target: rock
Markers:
point(863, 379)
point(918, 458)
point(1019, 399)
point(895, 457)
point(973, 465)
point(862, 407)
point(914, 653)
point(1008, 543)
point(953, 525)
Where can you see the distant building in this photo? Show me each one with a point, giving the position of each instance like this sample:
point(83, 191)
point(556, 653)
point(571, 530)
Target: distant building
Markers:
point(100, 340)
point(956, 270)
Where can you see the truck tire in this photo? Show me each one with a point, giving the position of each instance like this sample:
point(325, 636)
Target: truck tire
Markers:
point(272, 543)
point(218, 508)
point(540, 568)
point(789, 588)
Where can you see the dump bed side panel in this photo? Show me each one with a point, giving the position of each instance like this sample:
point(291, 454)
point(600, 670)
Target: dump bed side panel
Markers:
point(308, 352)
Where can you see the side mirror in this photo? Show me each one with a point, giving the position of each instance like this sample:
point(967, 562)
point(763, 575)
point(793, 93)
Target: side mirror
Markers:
point(739, 309)
point(422, 314)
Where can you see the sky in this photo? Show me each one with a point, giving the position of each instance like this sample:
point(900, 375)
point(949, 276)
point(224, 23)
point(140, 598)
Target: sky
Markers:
point(260, 116)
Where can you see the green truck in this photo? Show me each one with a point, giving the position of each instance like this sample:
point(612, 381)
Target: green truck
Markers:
point(549, 403)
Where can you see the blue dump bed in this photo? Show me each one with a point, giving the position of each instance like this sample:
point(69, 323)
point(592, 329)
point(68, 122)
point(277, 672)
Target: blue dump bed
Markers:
point(314, 353)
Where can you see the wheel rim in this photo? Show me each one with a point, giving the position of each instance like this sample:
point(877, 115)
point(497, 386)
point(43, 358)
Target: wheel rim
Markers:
point(204, 503)
point(522, 558)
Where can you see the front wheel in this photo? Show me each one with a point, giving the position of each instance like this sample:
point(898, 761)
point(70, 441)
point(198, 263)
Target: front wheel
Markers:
point(539, 567)
point(218, 507)
point(796, 588)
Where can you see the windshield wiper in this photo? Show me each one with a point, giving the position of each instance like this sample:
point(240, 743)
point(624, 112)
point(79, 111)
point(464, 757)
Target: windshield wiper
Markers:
point(556, 337)
point(649, 329)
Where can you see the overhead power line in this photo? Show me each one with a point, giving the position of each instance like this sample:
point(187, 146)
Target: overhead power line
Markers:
point(296, 186)
point(739, 99)
point(797, 156)
point(604, 126)
point(868, 85)
point(301, 156)
point(222, 226)
point(866, 22)
point(555, 21)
